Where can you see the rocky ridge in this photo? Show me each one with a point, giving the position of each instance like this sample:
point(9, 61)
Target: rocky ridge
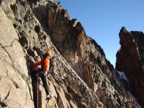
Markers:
point(130, 59)
point(82, 78)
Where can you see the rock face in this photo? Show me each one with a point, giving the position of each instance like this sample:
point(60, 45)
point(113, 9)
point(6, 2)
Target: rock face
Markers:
point(130, 59)
point(82, 78)
point(13, 70)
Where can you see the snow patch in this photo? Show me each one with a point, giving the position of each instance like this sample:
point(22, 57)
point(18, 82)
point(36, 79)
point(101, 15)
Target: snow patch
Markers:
point(123, 75)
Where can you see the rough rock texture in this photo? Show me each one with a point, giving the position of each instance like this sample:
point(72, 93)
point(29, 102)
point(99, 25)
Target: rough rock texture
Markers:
point(82, 78)
point(130, 59)
point(14, 88)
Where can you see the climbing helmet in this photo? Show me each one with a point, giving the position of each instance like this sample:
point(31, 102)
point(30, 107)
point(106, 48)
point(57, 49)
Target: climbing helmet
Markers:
point(49, 53)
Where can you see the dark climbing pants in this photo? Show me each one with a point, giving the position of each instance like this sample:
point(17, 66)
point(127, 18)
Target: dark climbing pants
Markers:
point(45, 84)
point(38, 74)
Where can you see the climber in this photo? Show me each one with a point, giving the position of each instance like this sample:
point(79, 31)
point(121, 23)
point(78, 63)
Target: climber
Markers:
point(43, 72)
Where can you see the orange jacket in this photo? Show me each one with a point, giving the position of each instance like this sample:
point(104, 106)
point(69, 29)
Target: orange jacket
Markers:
point(46, 64)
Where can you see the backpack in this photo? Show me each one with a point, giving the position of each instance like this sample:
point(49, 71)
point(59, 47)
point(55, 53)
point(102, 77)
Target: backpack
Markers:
point(51, 69)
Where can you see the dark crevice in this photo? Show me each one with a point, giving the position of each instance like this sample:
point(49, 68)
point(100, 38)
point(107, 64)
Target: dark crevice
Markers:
point(31, 52)
point(0, 2)
point(15, 84)
point(3, 104)
point(59, 101)
point(75, 96)
point(37, 28)
point(36, 91)
point(8, 94)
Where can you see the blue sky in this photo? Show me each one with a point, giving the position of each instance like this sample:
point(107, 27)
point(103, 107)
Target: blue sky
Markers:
point(103, 19)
